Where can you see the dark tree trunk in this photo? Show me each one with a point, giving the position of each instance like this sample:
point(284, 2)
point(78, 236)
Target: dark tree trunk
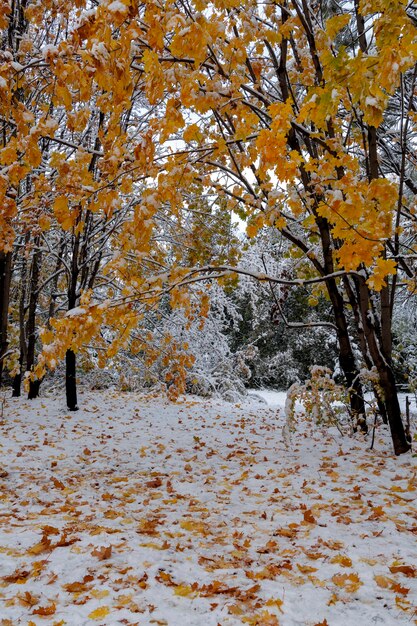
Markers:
point(17, 380)
point(31, 323)
point(71, 380)
point(5, 280)
point(34, 386)
point(70, 358)
point(383, 365)
point(347, 358)
point(399, 438)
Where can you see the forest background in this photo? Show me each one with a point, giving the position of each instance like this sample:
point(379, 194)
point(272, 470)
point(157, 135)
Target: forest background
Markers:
point(133, 134)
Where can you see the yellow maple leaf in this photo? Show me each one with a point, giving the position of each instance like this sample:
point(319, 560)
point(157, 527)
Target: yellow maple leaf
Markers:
point(102, 611)
point(343, 560)
point(184, 590)
point(349, 582)
point(382, 269)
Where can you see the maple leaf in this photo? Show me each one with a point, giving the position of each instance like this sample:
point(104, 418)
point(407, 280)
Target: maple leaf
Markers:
point(57, 483)
point(262, 619)
point(309, 517)
point(19, 576)
point(99, 613)
point(397, 588)
point(343, 560)
point(408, 570)
point(384, 581)
point(102, 553)
point(27, 599)
point(45, 611)
point(349, 582)
point(76, 587)
point(154, 483)
point(43, 546)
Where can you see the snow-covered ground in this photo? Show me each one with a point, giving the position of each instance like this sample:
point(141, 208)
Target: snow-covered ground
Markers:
point(134, 510)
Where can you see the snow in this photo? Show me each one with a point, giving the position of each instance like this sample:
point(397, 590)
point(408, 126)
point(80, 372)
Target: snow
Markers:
point(272, 397)
point(371, 101)
point(75, 312)
point(117, 7)
point(196, 513)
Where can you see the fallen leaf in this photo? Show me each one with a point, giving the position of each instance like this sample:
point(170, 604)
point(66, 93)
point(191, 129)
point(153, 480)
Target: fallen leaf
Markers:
point(306, 569)
point(384, 582)
point(309, 517)
point(57, 483)
point(343, 560)
point(102, 611)
point(102, 553)
point(153, 484)
point(44, 611)
point(27, 599)
point(349, 582)
point(19, 577)
point(399, 589)
point(407, 570)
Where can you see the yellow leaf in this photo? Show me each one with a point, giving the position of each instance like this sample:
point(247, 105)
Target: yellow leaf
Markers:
point(383, 581)
point(99, 613)
point(184, 590)
point(193, 526)
point(349, 582)
point(382, 269)
point(344, 561)
point(275, 602)
point(99, 593)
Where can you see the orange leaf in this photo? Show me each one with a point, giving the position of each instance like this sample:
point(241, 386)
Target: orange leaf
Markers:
point(156, 482)
point(102, 553)
point(309, 517)
point(27, 599)
point(44, 611)
point(57, 483)
point(43, 546)
point(407, 570)
point(19, 576)
point(398, 589)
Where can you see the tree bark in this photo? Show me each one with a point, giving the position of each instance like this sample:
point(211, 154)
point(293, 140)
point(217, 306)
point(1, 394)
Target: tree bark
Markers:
point(70, 357)
point(347, 358)
point(31, 323)
point(383, 365)
point(71, 380)
point(5, 281)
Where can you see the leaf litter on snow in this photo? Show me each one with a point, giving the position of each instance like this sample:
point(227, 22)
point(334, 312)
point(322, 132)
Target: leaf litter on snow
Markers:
point(135, 510)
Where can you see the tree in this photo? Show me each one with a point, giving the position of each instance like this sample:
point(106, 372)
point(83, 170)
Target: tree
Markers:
point(296, 115)
point(291, 125)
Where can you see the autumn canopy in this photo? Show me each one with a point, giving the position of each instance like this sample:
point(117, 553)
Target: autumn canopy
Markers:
point(122, 122)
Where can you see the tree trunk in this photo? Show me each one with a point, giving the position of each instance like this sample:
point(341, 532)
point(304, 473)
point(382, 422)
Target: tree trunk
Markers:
point(347, 358)
point(71, 380)
point(5, 280)
point(399, 439)
point(383, 365)
point(70, 358)
point(17, 380)
point(31, 323)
